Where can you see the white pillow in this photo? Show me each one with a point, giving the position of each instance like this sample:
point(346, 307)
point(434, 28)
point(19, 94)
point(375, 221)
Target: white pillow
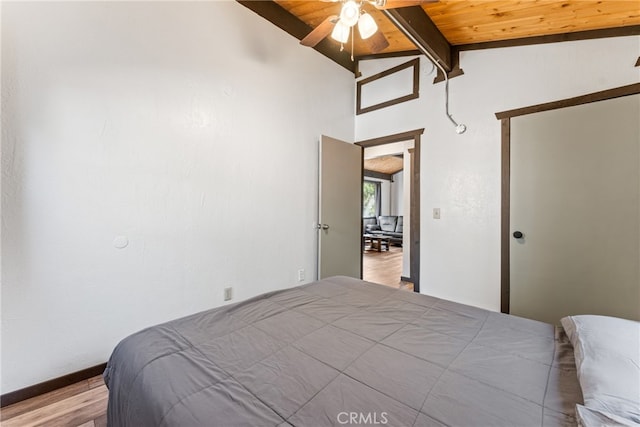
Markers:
point(607, 353)
point(587, 417)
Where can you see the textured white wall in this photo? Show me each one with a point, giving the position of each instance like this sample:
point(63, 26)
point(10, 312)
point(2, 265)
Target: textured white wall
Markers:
point(397, 194)
point(385, 197)
point(460, 253)
point(190, 129)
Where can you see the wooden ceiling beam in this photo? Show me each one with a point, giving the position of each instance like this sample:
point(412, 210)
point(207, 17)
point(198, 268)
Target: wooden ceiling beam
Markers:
point(631, 30)
point(416, 24)
point(378, 175)
point(277, 15)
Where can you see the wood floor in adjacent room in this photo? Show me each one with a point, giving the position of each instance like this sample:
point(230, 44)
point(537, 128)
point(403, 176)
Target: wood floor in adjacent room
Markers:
point(384, 267)
point(83, 404)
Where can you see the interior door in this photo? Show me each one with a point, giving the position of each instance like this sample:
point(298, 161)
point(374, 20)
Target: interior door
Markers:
point(340, 209)
point(575, 186)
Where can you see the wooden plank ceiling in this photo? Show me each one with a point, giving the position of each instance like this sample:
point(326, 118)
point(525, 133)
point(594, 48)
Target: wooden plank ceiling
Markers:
point(465, 23)
point(386, 164)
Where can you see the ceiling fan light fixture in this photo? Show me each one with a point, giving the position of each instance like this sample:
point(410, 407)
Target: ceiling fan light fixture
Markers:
point(367, 26)
point(350, 13)
point(340, 32)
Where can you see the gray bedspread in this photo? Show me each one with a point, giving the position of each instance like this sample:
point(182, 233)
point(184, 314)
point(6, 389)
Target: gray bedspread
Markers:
point(344, 352)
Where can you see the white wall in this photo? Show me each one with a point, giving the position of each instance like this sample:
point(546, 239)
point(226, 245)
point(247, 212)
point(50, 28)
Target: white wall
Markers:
point(190, 129)
point(460, 253)
point(397, 194)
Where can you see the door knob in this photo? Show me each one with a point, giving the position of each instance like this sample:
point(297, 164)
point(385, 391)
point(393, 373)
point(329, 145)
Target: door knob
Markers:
point(518, 234)
point(323, 226)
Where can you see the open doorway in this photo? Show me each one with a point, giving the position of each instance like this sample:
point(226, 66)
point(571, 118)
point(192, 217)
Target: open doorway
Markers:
point(384, 203)
point(394, 257)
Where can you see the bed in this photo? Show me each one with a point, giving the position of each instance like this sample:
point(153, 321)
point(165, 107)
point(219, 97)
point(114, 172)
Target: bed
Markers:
point(342, 351)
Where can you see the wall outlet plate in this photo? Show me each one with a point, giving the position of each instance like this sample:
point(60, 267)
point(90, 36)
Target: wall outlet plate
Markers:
point(228, 294)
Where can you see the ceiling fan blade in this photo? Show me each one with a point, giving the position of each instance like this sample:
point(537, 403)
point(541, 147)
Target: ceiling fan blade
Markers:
point(320, 32)
point(377, 42)
point(392, 4)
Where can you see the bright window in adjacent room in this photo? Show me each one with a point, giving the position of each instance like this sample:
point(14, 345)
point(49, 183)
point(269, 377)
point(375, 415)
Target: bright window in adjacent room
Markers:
point(370, 199)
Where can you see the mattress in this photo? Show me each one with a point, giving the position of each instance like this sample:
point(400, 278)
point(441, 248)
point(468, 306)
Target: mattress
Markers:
point(342, 351)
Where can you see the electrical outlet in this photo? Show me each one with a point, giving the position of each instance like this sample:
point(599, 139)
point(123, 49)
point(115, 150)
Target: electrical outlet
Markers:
point(228, 294)
point(301, 275)
point(436, 213)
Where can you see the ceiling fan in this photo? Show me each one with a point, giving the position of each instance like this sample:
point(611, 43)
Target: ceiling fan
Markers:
point(352, 13)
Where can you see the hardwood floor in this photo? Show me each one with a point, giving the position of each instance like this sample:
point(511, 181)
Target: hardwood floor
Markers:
point(384, 267)
point(83, 404)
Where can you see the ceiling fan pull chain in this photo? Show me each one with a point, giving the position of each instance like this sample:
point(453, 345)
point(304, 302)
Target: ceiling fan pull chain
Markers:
point(352, 37)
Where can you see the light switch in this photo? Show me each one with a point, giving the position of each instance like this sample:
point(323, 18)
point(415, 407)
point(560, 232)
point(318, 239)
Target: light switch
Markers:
point(436, 213)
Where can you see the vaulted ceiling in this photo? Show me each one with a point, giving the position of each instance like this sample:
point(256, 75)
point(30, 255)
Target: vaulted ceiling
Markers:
point(446, 27)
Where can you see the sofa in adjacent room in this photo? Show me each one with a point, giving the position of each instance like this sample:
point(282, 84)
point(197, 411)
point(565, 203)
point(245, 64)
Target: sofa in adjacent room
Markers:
point(388, 225)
